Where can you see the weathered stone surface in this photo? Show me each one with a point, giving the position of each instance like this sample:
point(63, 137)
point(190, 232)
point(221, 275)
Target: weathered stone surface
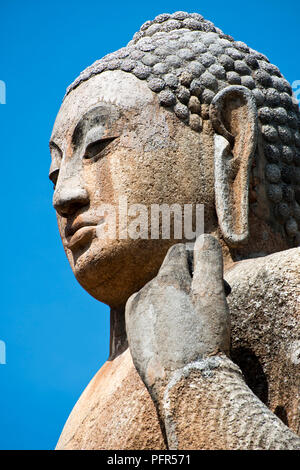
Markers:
point(265, 320)
point(215, 62)
point(200, 391)
point(178, 326)
point(265, 313)
point(114, 412)
point(185, 114)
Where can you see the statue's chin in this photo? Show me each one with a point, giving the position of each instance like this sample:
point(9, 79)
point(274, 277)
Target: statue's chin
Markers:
point(108, 271)
point(96, 268)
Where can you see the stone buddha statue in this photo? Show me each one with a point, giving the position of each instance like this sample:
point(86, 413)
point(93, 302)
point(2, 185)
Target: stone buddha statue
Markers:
point(184, 114)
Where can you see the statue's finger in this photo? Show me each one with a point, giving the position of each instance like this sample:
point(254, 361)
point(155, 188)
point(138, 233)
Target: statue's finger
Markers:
point(175, 269)
point(208, 294)
point(208, 267)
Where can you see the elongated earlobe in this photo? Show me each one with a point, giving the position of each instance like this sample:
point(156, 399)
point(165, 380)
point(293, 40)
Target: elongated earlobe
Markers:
point(233, 115)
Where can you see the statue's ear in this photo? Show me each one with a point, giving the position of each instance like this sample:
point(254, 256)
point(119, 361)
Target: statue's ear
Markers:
point(233, 114)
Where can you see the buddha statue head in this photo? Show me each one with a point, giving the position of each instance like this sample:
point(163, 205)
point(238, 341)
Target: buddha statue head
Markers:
point(182, 115)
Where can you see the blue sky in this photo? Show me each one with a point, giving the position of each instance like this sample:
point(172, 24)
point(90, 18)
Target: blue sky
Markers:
point(56, 335)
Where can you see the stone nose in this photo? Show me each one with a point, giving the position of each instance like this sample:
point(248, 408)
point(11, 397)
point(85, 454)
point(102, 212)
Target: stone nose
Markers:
point(69, 198)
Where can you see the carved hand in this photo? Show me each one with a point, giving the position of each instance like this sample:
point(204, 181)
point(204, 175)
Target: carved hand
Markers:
point(179, 317)
point(178, 329)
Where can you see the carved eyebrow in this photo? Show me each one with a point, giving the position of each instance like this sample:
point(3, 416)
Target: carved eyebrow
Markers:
point(98, 116)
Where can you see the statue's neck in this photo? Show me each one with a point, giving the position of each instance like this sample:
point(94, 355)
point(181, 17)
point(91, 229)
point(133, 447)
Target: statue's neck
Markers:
point(118, 337)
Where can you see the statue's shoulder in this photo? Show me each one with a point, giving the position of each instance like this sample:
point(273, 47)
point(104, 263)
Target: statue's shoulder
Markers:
point(265, 315)
point(282, 261)
point(273, 280)
point(115, 411)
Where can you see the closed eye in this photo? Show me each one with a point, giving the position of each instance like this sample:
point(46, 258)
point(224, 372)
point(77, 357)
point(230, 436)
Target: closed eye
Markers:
point(95, 148)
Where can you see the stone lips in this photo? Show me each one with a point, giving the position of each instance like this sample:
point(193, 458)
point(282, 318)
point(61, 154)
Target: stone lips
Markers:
point(186, 60)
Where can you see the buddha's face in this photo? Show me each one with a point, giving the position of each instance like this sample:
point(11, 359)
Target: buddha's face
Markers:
point(111, 141)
